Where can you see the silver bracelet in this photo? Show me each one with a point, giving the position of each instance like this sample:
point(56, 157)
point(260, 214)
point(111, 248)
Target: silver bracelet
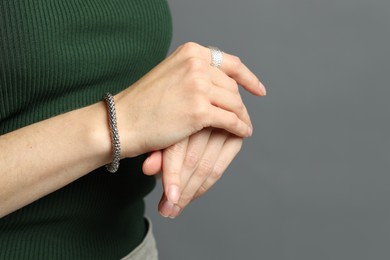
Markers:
point(116, 147)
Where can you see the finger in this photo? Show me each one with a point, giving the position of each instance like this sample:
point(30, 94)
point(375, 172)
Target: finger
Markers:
point(153, 163)
point(205, 166)
point(220, 118)
point(230, 149)
point(222, 80)
point(167, 209)
point(231, 102)
point(219, 78)
point(196, 146)
point(173, 157)
point(231, 65)
point(236, 69)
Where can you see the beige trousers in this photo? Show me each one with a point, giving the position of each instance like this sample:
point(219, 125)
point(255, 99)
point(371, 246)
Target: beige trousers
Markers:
point(147, 250)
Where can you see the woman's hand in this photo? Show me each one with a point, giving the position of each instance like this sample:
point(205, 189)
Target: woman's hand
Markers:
point(198, 162)
point(191, 166)
point(180, 97)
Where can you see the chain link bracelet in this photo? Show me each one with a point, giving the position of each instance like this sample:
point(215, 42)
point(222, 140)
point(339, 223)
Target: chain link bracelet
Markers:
point(116, 147)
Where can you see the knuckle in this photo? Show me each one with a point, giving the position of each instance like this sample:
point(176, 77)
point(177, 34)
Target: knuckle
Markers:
point(202, 190)
point(218, 170)
point(205, 168)
point(233, 121)
point(200, 112)
point(185, 199)
point(236, 61)
point(195, 65)
point(191, 159)
point(199, 85)
point(239, 105)
point(234, 85)
point(173, 150)
point(190, 49)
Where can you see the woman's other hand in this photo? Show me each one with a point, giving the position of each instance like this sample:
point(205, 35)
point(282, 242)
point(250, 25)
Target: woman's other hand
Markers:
point(199, 161)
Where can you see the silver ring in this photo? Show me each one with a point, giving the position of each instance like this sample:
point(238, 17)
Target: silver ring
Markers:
point(216, 57)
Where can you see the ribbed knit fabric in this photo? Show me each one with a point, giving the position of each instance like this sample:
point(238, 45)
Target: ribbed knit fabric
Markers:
point(56, 56)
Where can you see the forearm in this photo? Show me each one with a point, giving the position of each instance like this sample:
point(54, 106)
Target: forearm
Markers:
point(43, 157)
point(179, 97)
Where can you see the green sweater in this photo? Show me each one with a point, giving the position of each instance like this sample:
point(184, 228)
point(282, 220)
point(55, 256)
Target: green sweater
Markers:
point(56, 56)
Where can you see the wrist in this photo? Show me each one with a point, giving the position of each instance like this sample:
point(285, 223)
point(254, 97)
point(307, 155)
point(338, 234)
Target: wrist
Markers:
point(130, 138)
point(97, 136)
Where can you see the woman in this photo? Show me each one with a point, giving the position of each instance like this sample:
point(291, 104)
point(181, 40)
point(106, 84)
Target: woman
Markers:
point(57, 59)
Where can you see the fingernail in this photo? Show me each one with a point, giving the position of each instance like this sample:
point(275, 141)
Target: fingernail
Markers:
point(262, 88)
point(175, 212)
point(173, 194)
point(250, 131)
point(162, 214)
point(167, 209)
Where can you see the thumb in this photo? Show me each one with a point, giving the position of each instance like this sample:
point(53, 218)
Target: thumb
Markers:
point(153, 164)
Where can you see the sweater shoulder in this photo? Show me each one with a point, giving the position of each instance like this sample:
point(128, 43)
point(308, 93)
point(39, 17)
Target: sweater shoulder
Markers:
point(60, 55)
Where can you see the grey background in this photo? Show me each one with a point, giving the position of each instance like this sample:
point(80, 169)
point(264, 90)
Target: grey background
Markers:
point(313, 182)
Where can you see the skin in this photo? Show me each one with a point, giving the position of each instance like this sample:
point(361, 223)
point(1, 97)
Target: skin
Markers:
point(204, 157)
point(180, 97)
point(191, 167)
